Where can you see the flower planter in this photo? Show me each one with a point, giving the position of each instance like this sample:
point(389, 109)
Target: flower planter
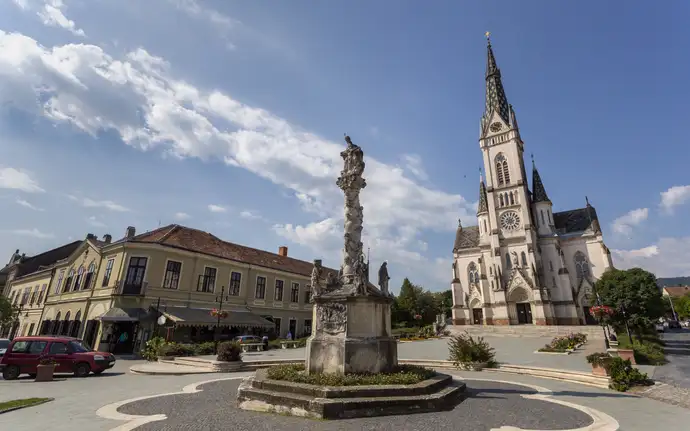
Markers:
point(229, 367)
point(165, 358)
point(473, 366)
point(599, 370)
point(627, 354)
point(44, 373)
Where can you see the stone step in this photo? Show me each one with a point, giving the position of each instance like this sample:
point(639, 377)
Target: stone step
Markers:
point(593, 332)
point(550, 373)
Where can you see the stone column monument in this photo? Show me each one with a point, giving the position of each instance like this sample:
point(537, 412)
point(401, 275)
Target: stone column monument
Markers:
point(352, 318)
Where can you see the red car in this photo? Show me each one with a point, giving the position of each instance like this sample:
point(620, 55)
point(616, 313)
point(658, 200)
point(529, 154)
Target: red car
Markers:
point(71, 355)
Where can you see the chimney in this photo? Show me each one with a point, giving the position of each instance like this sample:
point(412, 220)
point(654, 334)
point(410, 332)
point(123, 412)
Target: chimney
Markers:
point(90, 236)
point(131, 231)
point(107, 238)
point(282, 251)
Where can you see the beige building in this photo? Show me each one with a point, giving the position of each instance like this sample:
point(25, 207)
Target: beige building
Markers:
point(107, 292)
point(522, 263)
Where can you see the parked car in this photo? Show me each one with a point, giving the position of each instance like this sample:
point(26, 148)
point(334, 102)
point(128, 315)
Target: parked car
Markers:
point(71, 355)
point(244, 339)
point(659, 327)
point(4, 343)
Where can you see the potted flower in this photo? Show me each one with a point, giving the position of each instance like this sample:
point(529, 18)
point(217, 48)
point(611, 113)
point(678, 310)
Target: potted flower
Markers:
point(45, 369)
point(230, 354)
point(219, 313)
point(601, 312)
point(600, 363)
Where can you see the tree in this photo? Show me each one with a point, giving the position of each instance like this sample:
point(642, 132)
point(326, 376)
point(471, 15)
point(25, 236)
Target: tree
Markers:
point(414, 299)
point(682, 306)
point(8, 312)
point(634, 294)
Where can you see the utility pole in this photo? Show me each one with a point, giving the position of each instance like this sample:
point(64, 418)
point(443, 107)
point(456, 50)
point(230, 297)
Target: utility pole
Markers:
point(155, 323)
point(219, 299)
point(673, 309)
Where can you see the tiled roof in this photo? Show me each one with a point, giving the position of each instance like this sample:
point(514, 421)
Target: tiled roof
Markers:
point(198, 241)
point(45, 259)
point(578, 220)
point(677, 291)
point(466, 237)
point(539, 194)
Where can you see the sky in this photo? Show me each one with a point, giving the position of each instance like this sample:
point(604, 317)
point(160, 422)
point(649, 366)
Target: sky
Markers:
point(228, 116)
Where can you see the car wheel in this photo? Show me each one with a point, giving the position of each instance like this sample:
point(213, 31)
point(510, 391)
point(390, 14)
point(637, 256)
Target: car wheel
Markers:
point(10, 372)
point(99, 372)
point(82, 369)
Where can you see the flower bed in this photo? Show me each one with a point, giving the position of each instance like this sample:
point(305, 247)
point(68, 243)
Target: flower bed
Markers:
point(470, 353)
point(403, 375)
point(564, 344)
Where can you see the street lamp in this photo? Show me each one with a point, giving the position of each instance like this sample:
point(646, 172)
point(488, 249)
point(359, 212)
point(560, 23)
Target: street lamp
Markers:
point(601, 322)
point(673, 309)
point(219, 299)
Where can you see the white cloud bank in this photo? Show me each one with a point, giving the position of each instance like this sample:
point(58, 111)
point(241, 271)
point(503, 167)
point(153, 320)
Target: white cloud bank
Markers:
point(624, 225)
point(15, 179)
point(674, 196)
point(52, 13)
point(667, 258)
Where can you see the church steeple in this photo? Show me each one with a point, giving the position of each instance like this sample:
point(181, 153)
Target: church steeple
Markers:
point(495, 95)
point(483, 206)
point(539, 192)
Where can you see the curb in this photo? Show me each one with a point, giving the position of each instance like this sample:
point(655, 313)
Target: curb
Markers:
point(11, 409)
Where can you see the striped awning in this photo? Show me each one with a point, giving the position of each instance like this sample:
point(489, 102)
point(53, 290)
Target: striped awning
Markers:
point(241, 317)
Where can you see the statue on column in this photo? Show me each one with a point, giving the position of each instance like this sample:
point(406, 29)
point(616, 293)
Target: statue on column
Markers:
point(383, 278)
point(316, 272)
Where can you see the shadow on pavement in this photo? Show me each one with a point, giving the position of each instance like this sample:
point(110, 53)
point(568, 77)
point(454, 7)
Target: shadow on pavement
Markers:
point(481, 393)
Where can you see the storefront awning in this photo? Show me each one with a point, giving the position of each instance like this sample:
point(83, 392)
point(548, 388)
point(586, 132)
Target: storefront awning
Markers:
point(183, 316)
point(117, 314)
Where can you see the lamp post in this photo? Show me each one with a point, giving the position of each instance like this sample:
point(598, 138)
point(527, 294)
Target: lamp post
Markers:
point(673, 309)
point(601, 322)
point(155, 323)
point(219, 299)
point(625, 320)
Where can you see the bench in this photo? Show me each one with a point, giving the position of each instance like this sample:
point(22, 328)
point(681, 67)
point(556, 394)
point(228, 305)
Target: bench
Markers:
point(252, 346)
point(285, 344)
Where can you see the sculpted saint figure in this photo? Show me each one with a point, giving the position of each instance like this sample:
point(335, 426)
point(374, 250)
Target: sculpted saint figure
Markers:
point(383, 277)
point(514, 258)
point(316, 278)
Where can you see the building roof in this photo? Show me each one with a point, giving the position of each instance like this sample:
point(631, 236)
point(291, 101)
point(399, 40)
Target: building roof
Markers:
point(198, 241)
point(466, 237)
point(578, 220)
point(539, 193)
point(677, 291)
point(483, 205)
point(496, 99)
point(35, 263)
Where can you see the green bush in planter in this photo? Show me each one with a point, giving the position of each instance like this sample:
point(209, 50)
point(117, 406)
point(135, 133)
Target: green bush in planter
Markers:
point(207, 348)
point(229, 351)
point(624, 375)
point(150, 352)
point(599, 359)
point(175, 349)
point(464, 349)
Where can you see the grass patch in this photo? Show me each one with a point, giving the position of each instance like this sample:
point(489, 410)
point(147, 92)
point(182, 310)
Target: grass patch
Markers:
point(403, 375)
point(649, 352)
point(20, 404)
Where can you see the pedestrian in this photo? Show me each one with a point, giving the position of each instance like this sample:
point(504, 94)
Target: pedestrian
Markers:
point(264, 340)
point(289, 336)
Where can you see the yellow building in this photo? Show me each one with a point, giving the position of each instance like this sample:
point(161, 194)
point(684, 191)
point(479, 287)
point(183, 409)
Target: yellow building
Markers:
point(107, 292)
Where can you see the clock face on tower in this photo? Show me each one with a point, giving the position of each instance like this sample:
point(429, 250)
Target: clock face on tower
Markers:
point(495, 127)
point(510, 220)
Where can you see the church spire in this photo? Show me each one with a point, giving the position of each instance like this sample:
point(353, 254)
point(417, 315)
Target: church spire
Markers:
point(495, 95)
point(483, 205)
point(539, 192)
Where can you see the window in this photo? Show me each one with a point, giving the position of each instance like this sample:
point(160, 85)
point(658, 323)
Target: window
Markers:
point(31, 329)
point(294, 293)
point(68, 282)
point(135, 271)
point(524, 259)
point(472, 273)
point(79, 279)
point(550, 266)
point(208, 280)
point(512, 198)
point(58, 349)
point(43, 294)
point(108, 271)
point(548, 213)
point(581, 266)
point(260, 291)
point(485, 229)
point(61, 275)
point(88, 281)
point(502, 169)
point(25, 296)
point(34, 292)
point(276, 322)
point(235, 282)
point(307, 296)
point(278, 295)
point(509, 264)
point(307, 326)
point(172, 275)
point(542, 217)
point(500, 198)
point(29, 347)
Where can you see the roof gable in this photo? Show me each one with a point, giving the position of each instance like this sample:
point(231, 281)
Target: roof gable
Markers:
point(577, 220)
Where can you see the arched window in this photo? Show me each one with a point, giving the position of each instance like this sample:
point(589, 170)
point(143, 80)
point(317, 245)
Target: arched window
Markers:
point(89, 276)
point(491, 270)
point(56, 323)
point(505, 196)
point(492, 285)
point(472, 273)
point(524, 259)
point(508, 262)
point(64, 327)
point(581, 265)
point(553, 280)
point(68, 282)
point(512, 198)
point(485, 229)
point(79, 278)
point(76, 325)
point(500, 198)
point(502, 173)
point(542, 217)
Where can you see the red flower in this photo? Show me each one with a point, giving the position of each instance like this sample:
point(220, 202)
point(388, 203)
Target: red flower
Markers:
point(601, 311)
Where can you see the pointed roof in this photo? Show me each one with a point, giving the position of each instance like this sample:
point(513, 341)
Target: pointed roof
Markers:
point(539, 192)
point(495, 95)
point(483, 204)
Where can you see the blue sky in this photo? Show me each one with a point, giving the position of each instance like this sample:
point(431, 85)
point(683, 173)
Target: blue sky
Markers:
point(228, 116)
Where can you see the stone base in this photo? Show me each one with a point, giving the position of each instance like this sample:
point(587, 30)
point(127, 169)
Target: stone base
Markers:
point(460, 322)
point(568, 321)
point(258, 393)
point(498, 322)
point(351, 355)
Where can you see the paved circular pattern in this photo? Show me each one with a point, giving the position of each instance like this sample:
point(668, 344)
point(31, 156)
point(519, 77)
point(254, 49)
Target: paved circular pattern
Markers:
point(489, 405)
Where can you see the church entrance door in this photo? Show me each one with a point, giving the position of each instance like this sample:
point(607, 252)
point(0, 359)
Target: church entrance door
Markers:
point(589, 319)
point(524, 313)
point(477, 315)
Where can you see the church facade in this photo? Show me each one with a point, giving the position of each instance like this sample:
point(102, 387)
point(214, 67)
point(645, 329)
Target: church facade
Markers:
point(522, 263)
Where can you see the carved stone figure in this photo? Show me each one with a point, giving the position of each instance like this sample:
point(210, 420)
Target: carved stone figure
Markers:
point(316, 272)
point(514, 258)
point(332, 317)
point(383, 277)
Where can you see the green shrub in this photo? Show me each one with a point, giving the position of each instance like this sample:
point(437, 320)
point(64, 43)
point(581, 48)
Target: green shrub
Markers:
point(150, 352)
point(650, 351)
point(464, 349)
point(427, 332)
point(229, 351)
point(402, 375)
point(175, 349)
point(550, 349)
point(207, 348)
point(599, 359)
point(624, 376)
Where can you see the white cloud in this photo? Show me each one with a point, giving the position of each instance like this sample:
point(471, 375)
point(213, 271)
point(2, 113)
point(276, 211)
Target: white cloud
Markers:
point(29, 205)
point(413, 164)
point(669, 257)
point(182, 216)
point(675, 196)
point(625, 223)
point(193, 8)
point(52, 12)
point(91, 203)
point(138, 97)
point(93, 221)
point(11, 178)
point(217, 208)
point(35, 233)
point(251, 215)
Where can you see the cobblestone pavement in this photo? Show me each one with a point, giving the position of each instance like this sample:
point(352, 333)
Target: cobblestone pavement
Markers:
point(677, 371)
point(665, 393)
point(489, 405)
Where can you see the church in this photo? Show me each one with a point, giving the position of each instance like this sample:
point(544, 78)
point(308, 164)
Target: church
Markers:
point(522, 264)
